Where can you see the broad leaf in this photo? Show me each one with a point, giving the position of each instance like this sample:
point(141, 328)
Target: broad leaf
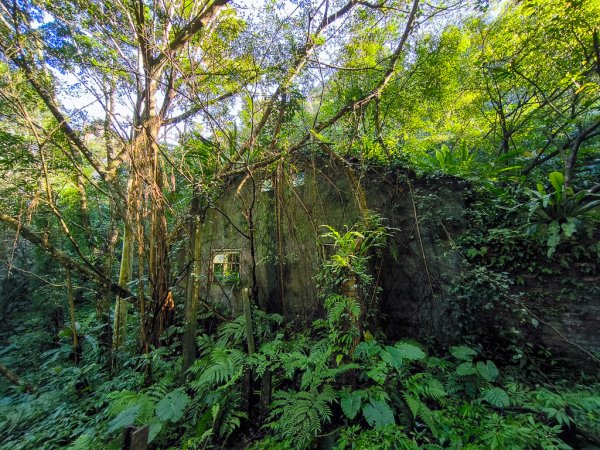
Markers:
point(351, 403)
point(366, 349)
point(154, 430)
point(553, 237)
point(392, 356)
point(124, 418)
point(172, 406)
point(410, 351)
point(466, 368)
point(569, 227)
point(378, 373)
point(557, 180)
point(378, 414)
point(496, 397)
point(463, 353)
point(488, 371)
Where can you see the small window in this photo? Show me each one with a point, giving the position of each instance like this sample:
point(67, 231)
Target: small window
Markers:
point(226, 266)
point(298, 179)
point(267, 186)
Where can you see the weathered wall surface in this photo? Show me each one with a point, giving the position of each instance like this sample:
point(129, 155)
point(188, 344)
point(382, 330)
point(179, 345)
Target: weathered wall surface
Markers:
point(415, 273)
point(570, 307)
point(412, 271)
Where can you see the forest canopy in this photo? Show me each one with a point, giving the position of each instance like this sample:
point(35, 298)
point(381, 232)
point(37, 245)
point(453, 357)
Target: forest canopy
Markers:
point(125, 124)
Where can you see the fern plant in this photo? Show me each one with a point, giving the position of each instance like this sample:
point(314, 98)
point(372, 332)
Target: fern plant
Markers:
point(300, 415)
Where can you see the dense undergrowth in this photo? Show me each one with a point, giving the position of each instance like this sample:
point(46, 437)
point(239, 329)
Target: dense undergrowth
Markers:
point(336, 383)
point(123, 123)
point(377, 396)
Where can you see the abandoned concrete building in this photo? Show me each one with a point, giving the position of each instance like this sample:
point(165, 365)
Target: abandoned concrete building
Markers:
point(284, 252)
point(289, 215)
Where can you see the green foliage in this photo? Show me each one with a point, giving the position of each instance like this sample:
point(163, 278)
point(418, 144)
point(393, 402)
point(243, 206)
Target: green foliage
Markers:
point(503, 100)
point(301, 415)
point(463, 353)
point(345, 279)
point(382, 396)
point(389, 437)
point(378, 414)
point(558, 215)
point(172, 406)
point(496, 397)
point(351, 403)
point(219, 367)
point(452, 161)
point(342, 315)
point(488, 371)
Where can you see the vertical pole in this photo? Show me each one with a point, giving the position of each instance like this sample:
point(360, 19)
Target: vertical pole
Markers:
point(71, 299)
point(125, 272)
point(193, 293)
point(249, 323)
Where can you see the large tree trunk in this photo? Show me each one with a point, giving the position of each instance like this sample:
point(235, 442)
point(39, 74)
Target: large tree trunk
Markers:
point(147, 196)
point(158, 262)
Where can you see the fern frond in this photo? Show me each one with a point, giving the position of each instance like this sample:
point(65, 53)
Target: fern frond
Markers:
point(421, 411)
point(220, 367)
point(301, 415)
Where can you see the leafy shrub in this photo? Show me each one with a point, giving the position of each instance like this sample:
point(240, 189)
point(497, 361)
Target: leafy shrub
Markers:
point(558, 215)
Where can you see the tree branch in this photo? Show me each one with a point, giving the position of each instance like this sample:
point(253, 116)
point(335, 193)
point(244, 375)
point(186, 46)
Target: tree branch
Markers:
point(63, 258)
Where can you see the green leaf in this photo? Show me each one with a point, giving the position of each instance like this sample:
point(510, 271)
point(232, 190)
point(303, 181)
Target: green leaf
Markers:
point(434, 389)
point(540, 188)
point(463, 353)
point(557, 180)
point(569, 227)
point(83, 442)
point(124, 418)
point(378, 414)
point(553, 237)
point(465, 369)
point(472, 252)
point(351, 403)
point(172, 406)
point(154, 430)
point(488, 371)
point(366, 349)
point(378, 373)
point(414, 404)
point(496, 397)
point(409, 351)
point(393, 356)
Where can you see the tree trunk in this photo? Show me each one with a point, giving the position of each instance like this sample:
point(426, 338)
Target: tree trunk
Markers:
point(350, 289)
point(13, 378)
point(572, 159)
point(193, 290)
point(71, 299)
point(279, 205)
point(249, 323)
point(125, 273)
point(163, 306)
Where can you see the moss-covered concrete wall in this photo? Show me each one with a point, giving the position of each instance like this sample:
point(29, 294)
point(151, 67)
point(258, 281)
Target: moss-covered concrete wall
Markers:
point(412, 272)
point(415, 274)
